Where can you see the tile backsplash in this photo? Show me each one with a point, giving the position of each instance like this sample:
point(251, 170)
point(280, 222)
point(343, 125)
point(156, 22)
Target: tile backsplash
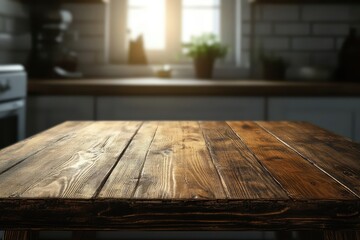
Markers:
point(303, 34)
point(89, 28)
point(15, 38)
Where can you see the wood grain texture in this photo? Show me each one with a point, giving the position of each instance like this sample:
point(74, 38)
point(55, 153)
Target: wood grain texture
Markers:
point(70, 169)
point(241, 173)
point(17, 235)
point(333, 154)
point(179, 166)
point(21, 151)
point(128, 170)
point(178, 176)
point(298, 177)
point(160, 214)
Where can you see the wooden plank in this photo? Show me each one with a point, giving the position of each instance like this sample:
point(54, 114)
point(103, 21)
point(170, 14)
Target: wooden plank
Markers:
point(179, 166)
point(17, 235)
point(21, 151)
point(128, 169)
point(300, 179)
point(333, 154)
point(179, 187)
point(181, 215)
point(75, 168)
point(242, 174)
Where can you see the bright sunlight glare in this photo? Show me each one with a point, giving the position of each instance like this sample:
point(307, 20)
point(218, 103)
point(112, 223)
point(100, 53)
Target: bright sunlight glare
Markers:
point(148, 18)
point(200, 16)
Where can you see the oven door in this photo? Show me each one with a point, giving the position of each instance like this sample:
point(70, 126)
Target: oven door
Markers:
point(12, 122)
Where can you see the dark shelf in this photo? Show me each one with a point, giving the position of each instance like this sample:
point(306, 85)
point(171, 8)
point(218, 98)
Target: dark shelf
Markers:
point(307, 1)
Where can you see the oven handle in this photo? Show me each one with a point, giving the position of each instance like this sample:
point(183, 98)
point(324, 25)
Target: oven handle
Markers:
point(11, 106)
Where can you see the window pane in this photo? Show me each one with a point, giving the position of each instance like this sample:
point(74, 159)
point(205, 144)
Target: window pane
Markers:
point(138, 3)
point(148, 18)
point(198, 21)
point(202, 3)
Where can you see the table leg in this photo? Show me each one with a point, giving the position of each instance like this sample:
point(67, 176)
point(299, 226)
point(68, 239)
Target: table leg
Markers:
point(341, 235)
point(83, 235)
point(19, 235)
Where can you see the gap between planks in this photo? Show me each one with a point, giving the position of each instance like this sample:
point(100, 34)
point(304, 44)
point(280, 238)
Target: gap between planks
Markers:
point(143, 164)
point(98, 190)
point(260, 162)
point(222, 181)
point(34, 138)
point(229, 153)
point(307, 159)
point(307, 182)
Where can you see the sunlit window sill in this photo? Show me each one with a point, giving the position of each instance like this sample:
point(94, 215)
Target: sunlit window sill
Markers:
point(178, 71)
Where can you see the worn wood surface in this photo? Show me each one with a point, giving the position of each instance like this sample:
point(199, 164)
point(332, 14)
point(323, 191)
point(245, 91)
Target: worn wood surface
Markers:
point(298, 177)
point(333, 155)
point(181, 176)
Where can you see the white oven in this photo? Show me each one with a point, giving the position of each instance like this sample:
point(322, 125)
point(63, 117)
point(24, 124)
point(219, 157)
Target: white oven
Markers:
point(13, 83)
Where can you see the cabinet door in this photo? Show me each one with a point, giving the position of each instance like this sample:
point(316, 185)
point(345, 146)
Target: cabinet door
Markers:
point(44, 112)
point(338, 115)
point(180, 108)
point(357, 126)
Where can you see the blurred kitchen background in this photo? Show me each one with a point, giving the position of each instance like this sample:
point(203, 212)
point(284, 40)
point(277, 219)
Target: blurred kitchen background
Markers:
point(307, 34)
point(125, 60)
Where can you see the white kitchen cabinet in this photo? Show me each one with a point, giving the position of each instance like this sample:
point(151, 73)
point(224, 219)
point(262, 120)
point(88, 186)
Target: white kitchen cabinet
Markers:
point(357, 126)
point(339, 115)
point(180, 108)
point(44, 112)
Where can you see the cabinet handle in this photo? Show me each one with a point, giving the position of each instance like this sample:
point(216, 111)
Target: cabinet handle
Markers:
point(11, 106)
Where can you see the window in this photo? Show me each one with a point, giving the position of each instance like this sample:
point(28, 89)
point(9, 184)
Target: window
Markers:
point(147, 17)
point(200, 16)
point(166, 24)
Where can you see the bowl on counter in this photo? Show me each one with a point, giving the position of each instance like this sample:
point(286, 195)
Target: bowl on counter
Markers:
point(309, 73)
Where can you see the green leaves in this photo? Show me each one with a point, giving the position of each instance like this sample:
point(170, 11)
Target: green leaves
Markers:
point(205, 45)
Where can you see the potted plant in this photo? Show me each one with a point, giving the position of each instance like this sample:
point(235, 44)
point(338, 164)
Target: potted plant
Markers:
point(204, 50)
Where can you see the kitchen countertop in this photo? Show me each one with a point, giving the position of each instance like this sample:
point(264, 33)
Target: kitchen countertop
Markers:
point(189, 87)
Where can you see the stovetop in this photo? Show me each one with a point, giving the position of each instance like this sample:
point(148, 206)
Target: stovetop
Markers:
point(11, 68)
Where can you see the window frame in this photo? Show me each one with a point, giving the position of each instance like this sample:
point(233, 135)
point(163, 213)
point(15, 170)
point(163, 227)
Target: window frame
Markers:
point(117, 36)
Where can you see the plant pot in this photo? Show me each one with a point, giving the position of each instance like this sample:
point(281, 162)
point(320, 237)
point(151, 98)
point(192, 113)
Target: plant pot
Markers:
point(204, 67)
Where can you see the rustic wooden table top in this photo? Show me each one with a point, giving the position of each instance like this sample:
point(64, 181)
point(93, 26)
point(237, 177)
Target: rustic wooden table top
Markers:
point(181, 176)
